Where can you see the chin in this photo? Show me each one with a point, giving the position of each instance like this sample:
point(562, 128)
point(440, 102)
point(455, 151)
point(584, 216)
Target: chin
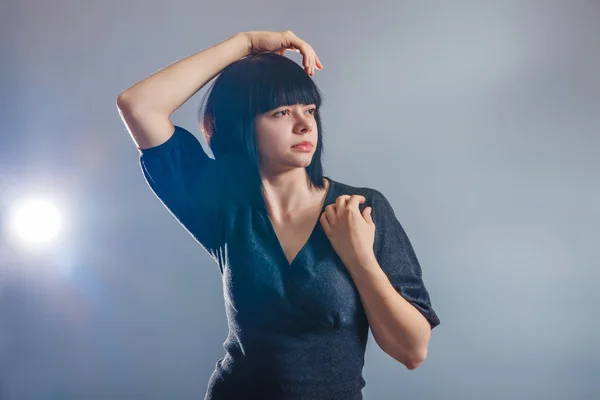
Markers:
point(302, 163)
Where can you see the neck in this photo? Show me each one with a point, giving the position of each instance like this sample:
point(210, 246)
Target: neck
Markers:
point(287, 193)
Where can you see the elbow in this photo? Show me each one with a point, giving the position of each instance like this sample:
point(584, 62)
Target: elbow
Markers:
point(129, 108)
point(130, 105)
point(122, 102)
point(415, 360)
point(413, 364)
point(411, 360)
point(127, 102)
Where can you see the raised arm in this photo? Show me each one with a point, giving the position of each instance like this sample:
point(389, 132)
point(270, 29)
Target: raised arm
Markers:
point(183, 177)
point(147, 106)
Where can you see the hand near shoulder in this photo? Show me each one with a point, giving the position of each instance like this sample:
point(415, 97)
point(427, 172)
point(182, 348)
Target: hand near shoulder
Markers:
point(351, 233)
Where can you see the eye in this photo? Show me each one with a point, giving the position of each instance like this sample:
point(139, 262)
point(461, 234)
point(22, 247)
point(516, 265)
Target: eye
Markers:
point(311, 110)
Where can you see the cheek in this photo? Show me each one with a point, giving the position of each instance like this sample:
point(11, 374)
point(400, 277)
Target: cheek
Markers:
point(268, 146)
point(270, 141)
point(261, 138)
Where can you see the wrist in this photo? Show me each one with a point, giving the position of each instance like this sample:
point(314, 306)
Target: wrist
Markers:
point(243, 39)
point(363, 261)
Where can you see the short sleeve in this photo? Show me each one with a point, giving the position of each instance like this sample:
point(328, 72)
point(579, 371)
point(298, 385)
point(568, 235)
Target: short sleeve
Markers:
point(187, 182)
point(398, 260)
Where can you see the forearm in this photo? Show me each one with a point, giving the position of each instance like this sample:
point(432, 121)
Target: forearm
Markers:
point(166, 90)
point(397, 326)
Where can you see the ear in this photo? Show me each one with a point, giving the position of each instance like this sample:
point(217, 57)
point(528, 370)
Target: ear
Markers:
point(207, 137)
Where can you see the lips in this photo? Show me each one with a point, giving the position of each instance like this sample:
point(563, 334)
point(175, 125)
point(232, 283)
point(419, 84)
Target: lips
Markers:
point(303, 144)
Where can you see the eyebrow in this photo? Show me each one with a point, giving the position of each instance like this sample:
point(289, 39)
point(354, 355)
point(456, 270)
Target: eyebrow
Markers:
point(304, 105)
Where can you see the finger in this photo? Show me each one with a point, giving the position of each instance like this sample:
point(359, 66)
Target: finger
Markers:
point(319, 64)
point(302, 48)
point(356, 200)
point(305, 59)
point(367, 214)
point(330, 213)
point(311, 60)
point(306, 51)
point(313, 56)
point(325, 223)
point(340, 202)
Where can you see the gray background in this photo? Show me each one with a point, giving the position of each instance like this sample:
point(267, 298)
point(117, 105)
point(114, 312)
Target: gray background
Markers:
point(479, 121)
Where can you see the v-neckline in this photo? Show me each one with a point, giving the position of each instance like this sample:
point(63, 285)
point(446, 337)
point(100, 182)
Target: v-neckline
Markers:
point(317, 223)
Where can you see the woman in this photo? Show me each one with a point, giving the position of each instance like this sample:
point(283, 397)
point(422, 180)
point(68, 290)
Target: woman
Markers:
point(308, 263)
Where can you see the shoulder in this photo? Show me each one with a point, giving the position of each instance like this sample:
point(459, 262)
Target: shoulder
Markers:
point(373, 196)
point(382, 211)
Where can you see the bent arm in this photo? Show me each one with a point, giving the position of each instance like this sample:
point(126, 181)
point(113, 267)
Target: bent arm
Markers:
point(145, 107)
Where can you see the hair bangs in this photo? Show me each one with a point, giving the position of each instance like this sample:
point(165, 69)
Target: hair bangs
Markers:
point(275, 81)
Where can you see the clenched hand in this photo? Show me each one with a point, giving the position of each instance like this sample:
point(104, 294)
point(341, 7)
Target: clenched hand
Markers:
point(351, 233)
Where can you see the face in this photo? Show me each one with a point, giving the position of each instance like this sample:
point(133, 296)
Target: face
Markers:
point(278, 130)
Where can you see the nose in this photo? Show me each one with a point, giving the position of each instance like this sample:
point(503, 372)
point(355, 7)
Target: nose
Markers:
point(304, 125)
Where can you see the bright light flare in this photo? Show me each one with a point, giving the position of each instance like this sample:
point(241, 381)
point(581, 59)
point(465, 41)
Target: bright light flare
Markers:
point(35, 221)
